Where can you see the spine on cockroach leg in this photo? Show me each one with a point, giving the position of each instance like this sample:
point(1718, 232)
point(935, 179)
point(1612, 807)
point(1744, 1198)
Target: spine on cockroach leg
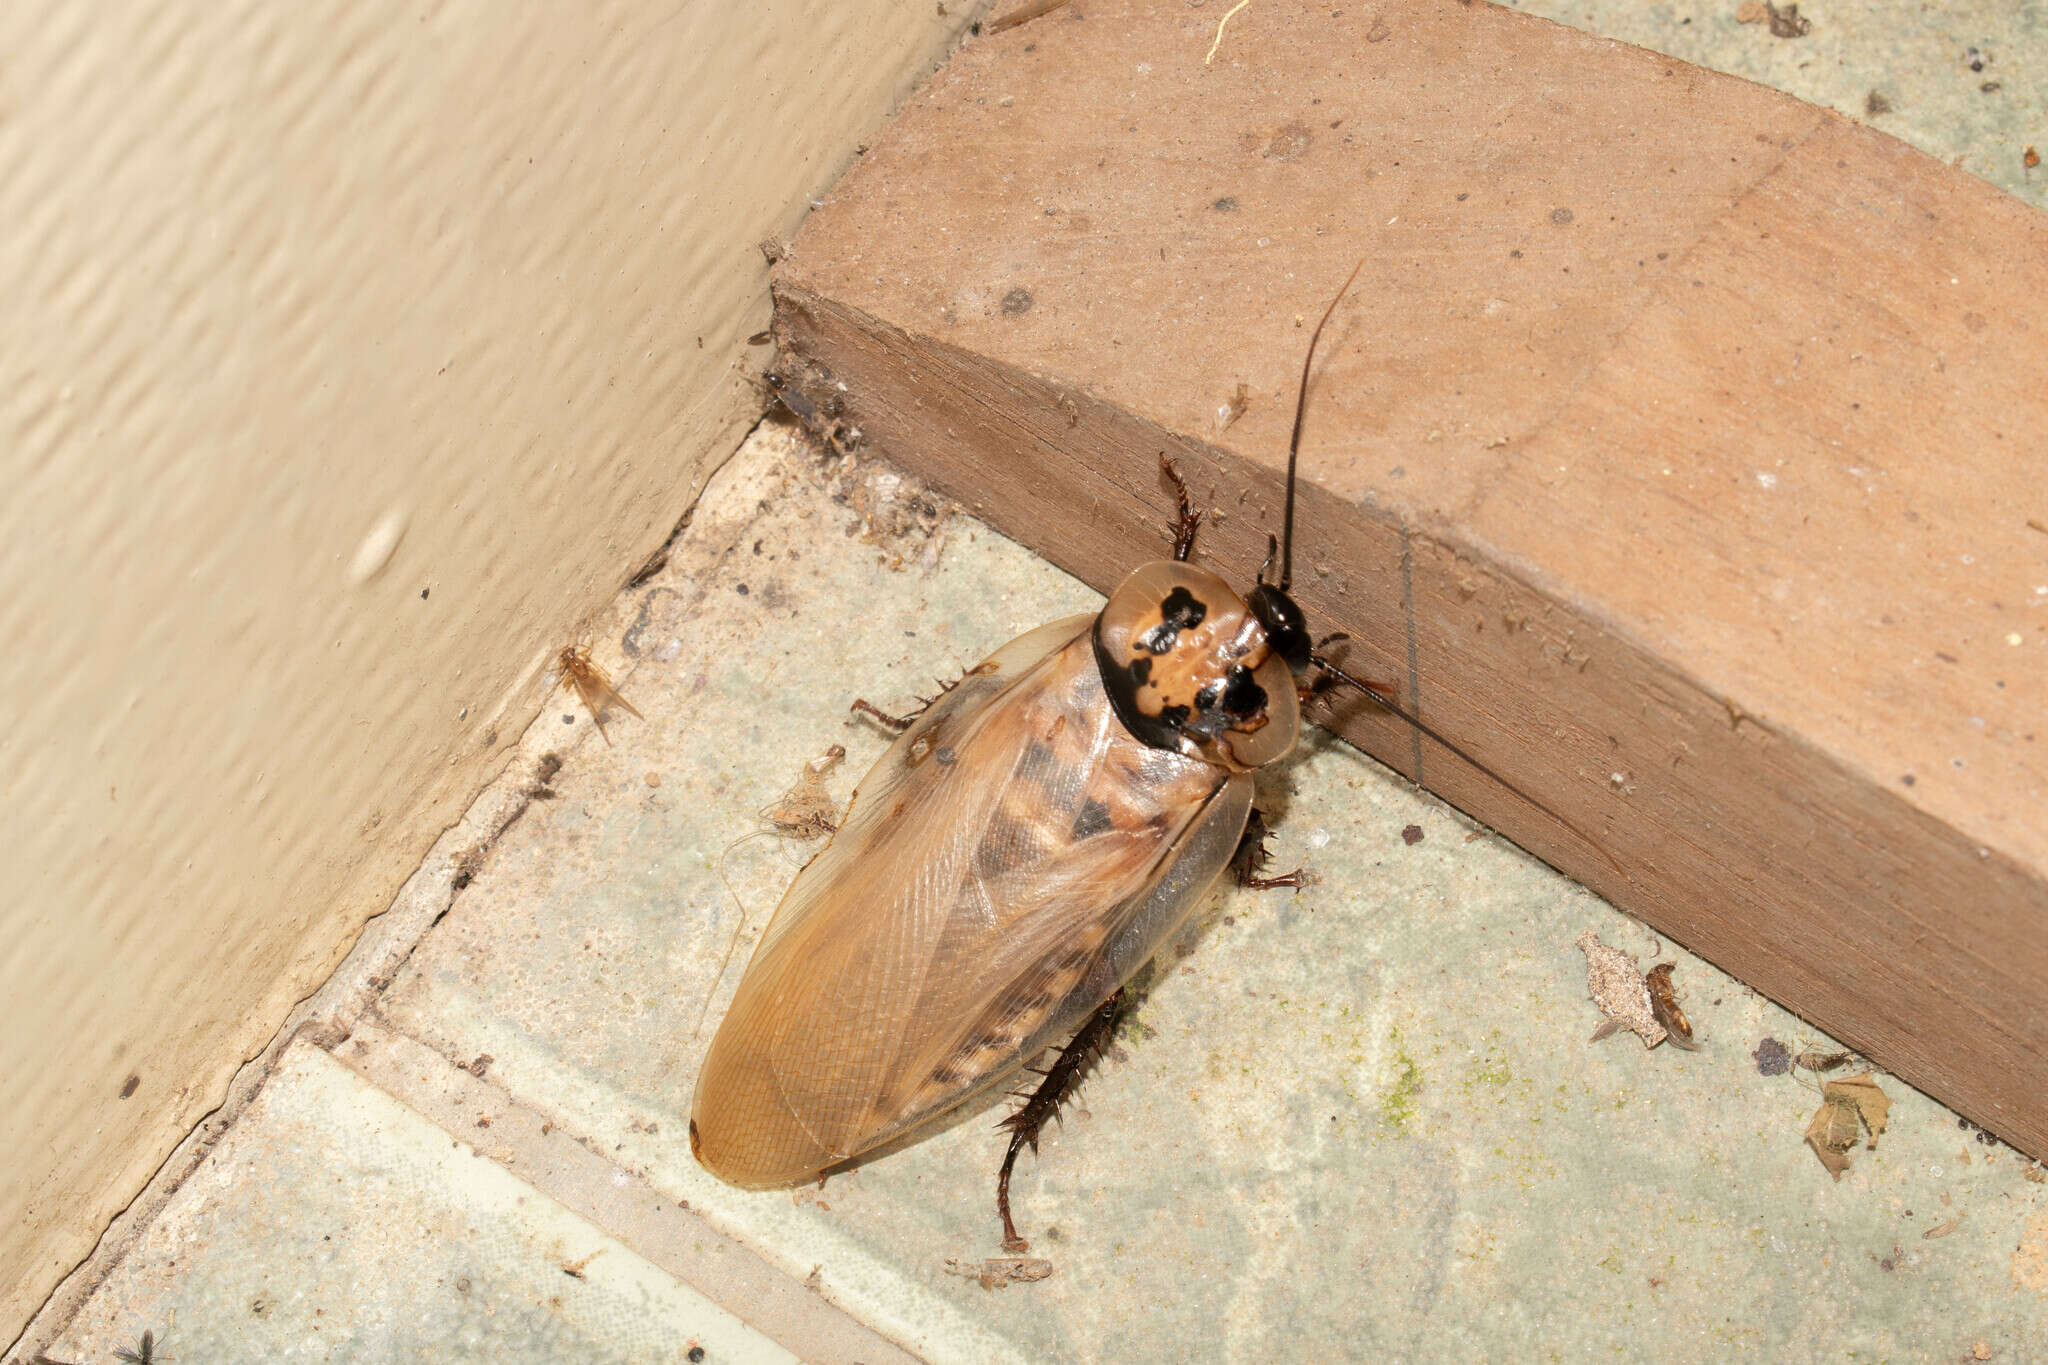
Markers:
point(1061, 1080)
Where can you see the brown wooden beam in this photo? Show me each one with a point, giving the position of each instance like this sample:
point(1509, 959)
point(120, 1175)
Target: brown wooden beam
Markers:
point(1682, 450)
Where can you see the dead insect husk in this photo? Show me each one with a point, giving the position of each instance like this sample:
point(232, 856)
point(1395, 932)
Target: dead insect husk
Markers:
point(1664, 1006)
point(592, 685)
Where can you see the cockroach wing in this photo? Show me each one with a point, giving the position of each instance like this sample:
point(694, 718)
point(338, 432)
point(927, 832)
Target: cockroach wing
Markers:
point(1012, 859)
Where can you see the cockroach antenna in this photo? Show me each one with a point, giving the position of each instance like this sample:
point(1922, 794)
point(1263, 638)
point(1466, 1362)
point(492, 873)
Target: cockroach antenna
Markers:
point(1294, 441)
point(1288, 628)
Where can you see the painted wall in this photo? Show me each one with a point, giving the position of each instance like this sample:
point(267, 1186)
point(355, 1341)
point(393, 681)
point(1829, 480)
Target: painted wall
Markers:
point(350, 354)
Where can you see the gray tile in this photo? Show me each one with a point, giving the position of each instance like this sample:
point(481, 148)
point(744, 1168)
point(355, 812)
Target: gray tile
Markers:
point(335, 1224)
point(1359, 1121)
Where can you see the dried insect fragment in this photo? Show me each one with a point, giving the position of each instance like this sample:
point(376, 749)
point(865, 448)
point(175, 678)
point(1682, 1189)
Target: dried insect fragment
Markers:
point(143, 1354)
point(1664, 1005)
point(999, 1271)
point(593, 685)
point(807, 810)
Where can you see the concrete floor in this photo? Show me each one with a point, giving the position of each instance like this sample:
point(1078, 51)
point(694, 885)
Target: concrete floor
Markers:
point(1363, 1120)
point(1358, 1121)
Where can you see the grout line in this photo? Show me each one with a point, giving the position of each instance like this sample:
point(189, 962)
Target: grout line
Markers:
point(669, 1234)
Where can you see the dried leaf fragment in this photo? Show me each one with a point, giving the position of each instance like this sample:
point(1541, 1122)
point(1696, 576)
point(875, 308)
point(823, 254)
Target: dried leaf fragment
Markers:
point(1942, 1229)
point(1847, 1107)
point(1831, 1132)
point(1871, 1103)
point(999, 1271)
point(1617, 986)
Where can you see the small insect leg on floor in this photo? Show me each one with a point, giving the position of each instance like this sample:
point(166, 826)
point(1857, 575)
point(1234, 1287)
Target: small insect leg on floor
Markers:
point(1062, 1079)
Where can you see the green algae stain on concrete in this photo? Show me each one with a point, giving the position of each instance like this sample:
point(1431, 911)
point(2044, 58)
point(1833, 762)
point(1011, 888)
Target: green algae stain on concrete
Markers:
point(1397, 1106)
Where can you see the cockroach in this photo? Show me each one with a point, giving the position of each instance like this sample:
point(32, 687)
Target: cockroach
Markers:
point(593, 685)
point(1035, 833)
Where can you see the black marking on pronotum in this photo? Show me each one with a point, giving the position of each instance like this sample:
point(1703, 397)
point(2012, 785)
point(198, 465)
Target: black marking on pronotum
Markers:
point(1180, 610)
point(1062, 1078)
point(1121, 683)
point(1242, 696)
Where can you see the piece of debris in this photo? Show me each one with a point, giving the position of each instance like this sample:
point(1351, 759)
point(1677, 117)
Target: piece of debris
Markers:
point(1831, 1132)
point(480, 1064)
point(1771, 1058)
point(1411, 835)
point(1233, 407)
point(2030, 159)
point(592, 684)
point(574, 1269)
point(1942, 1229)
point(1617, 986)
point(544, 774)
point(1023, 14)
point(1786, 23)
point(1872, 1104)
point(1664, 1005)
point(467, 864)
point(1875, 104)
point(807, 810)
point(143, 1354)
point(999, 1271)
point(1848, 1106)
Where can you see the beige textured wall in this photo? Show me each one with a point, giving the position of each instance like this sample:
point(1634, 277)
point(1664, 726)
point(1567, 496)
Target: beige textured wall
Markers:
point(280, 283)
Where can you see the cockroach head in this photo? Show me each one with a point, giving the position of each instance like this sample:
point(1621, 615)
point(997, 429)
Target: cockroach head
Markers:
point(1286, 627)
point(1190, 667)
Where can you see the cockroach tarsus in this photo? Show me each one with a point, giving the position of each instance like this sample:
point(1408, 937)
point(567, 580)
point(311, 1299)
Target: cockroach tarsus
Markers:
point(592, 685)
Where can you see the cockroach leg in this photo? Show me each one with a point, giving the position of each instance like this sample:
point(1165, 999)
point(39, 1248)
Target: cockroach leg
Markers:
point(1186, 520)
point(894, 724)
point(1062, 1079)
point(1250, 859)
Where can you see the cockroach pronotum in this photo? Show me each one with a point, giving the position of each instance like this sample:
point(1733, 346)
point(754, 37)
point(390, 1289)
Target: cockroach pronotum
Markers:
point(1035, 833)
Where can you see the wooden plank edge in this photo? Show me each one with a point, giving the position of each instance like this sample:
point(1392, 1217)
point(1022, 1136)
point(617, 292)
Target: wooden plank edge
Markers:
point(1815, 884)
